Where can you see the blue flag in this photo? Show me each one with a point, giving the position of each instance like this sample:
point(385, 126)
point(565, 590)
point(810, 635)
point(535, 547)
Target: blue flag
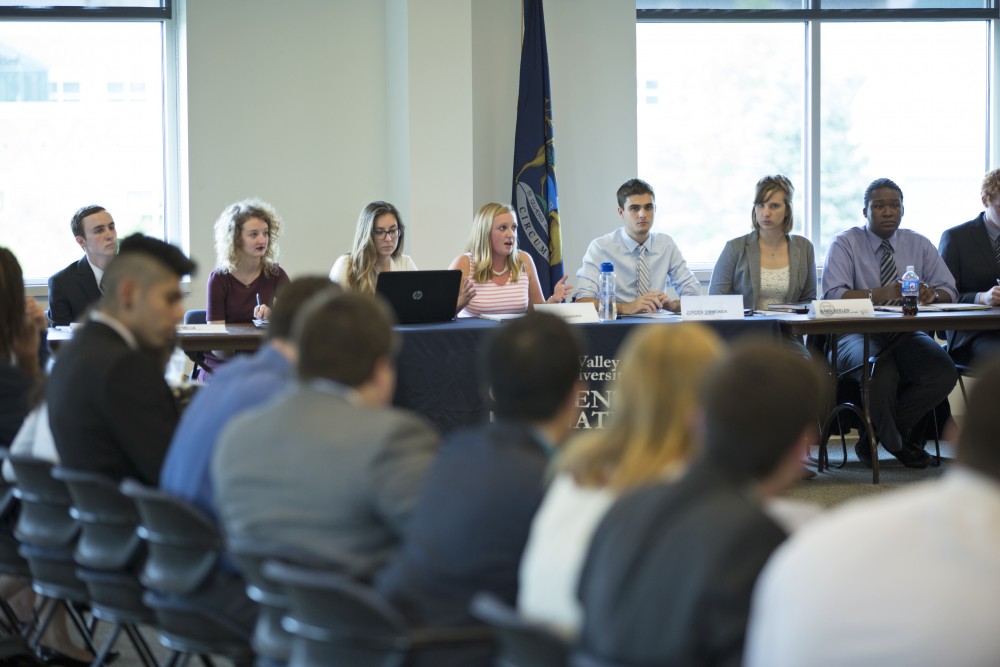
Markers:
point(534, 196)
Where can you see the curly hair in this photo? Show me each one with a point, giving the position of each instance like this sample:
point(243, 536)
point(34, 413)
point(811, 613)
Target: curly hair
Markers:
point(361, 274)
point(229, 226)
point(991, 185)
point(481, 246)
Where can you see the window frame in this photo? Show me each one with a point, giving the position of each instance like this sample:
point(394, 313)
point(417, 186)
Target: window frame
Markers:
point(813, 19)
point(167, 15)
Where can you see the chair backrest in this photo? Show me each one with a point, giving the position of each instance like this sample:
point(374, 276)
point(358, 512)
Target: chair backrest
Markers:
point(196, 317)
point(183, 544)
point(270, 640)
point(11, 562)
point(45, 519)
point(522, 643)
point(334, 617)
point(107, 518)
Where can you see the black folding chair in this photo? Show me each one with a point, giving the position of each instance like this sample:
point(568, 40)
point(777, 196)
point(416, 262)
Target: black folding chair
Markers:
point(48, 534)
point(183, 550)
point(198, 358)
point(336, 620)
point(523, 643)
point(109, 554)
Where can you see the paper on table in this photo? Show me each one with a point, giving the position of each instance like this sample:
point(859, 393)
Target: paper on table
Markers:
point(201, 328)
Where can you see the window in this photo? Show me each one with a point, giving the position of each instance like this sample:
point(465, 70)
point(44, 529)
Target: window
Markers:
point(82, 107)
point(906, 99)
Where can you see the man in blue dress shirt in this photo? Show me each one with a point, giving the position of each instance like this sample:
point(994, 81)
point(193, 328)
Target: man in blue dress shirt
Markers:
point(646, 263)
point(914, 373)
point(240, 386)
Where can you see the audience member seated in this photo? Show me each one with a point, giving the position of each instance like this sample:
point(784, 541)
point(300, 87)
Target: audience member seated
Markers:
point(770, 264)
point(78, 286)
point(646, 262)
point(110, 410)
point(972, 252)
point(471, 521)
point(378, 247)
point(670, 572)
point(908, 578)
point(328, 468)
point(246, 276)
point(650, 437)
point(914, 374)
point(496, 276)
point(241, 386)
point(22, 322)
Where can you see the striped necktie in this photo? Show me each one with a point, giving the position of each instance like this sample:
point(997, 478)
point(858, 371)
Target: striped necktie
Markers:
point(887, 267)
point(641, 272)
point(996, 250)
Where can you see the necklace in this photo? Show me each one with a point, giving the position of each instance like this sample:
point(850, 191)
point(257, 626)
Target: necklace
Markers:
point(500, 273)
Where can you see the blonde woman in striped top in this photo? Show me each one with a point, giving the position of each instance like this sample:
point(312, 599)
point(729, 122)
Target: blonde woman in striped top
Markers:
point(504, 277)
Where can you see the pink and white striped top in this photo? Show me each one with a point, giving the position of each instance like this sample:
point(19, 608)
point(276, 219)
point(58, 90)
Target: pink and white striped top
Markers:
point(491, 298)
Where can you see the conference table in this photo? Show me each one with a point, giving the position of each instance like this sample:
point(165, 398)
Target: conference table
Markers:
point(439, 376)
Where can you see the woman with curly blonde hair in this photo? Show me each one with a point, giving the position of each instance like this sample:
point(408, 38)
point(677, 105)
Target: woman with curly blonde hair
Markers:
point(492, 268)
point(378, 247)
point(650, 437)
point(242, 286)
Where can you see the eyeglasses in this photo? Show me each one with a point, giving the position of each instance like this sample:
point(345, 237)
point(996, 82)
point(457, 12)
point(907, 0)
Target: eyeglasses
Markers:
point(393, 232)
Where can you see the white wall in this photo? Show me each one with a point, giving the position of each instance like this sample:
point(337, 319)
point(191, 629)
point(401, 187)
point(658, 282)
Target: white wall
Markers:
point(320, 106)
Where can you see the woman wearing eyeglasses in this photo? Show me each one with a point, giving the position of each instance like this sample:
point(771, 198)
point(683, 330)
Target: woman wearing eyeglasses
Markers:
point(378, 247)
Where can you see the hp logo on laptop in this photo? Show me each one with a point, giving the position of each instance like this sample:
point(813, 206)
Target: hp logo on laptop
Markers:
point(418, 295)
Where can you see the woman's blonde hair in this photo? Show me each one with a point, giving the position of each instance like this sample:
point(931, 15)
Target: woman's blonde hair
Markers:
point(229, 226)
point(361, 275)
point(651, 429)
point(481, 246)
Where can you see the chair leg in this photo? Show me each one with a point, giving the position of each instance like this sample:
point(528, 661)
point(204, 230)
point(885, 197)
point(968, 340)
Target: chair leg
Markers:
point(206, 660)
point(45, 614)
point(81, 627)
point(102, 655)
point(961, 385)
point(141, 646)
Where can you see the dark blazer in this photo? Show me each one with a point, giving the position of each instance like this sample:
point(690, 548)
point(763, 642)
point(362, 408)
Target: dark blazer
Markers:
point(670, 572)
point(71, 292)
point(14, 389)
point(110, 409)
point(468, 530)
point(737, 270)
point(968, 252)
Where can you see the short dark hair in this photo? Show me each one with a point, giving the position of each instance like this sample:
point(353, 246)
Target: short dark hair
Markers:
point(290, 298)
point(76, 222)
point(881, 183)
point(632, 187)
point(341, 336)
point(147, 260)
point(758, 400)
point(977, 447)
point(530, 366)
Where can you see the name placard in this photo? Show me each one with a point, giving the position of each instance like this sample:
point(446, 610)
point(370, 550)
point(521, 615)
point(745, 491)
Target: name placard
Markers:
point(831, 309)
point(574, 313)
point(713, 307)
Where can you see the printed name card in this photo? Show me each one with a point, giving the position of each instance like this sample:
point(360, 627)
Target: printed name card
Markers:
point(715, 307)
point(574, 313)
point(831, 309)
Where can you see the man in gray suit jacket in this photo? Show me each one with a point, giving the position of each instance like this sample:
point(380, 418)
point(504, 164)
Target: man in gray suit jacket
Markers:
point(328, 467)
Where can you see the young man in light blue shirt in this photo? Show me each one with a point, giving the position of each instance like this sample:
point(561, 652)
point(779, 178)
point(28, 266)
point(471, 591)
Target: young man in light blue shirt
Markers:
point(646, 263)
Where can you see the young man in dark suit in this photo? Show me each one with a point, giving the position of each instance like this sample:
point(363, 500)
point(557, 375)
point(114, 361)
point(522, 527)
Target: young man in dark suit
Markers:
point(75, 288)
point(972, 252)
point(670, 571)
point(474, 513)
point(110, 409)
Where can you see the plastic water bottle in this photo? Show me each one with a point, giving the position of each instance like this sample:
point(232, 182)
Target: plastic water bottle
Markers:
point(607, 307)
point(911, 291)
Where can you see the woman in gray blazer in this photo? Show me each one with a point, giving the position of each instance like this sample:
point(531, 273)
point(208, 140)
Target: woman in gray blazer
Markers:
point(768, 265)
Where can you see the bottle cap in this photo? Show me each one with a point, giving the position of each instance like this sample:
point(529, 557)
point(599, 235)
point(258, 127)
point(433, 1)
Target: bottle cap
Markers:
point(607, 267)
point(909, 269)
